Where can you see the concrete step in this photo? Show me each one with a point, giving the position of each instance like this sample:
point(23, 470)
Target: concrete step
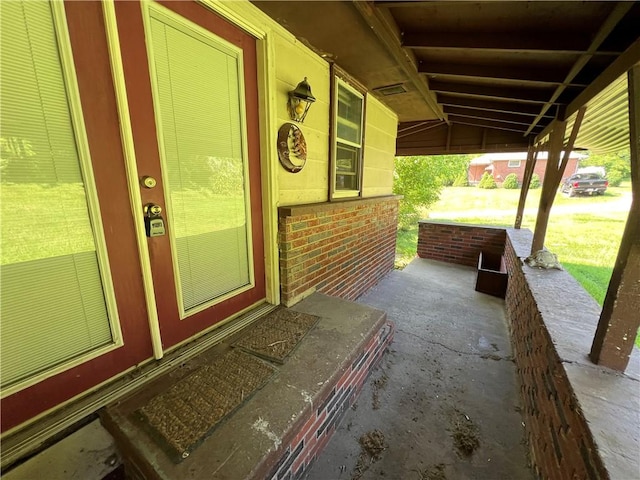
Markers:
point(281, 430)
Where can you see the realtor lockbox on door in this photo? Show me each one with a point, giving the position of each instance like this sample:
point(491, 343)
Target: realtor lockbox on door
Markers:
point(153, 221)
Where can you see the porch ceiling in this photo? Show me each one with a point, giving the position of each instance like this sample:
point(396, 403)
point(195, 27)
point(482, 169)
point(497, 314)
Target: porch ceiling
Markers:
point(480, 76)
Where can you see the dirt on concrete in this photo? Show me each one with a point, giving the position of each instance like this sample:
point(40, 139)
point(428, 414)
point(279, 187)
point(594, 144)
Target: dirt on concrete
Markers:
point(464, 433)
point(372, 444)
point(378, 384)
point(445, 394)
point(434, 472)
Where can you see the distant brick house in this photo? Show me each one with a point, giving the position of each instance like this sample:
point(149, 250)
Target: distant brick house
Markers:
point(502, 164)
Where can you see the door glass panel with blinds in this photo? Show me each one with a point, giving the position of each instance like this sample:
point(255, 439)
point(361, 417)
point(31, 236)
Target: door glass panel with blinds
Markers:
point(52, 297)
point(198, 96)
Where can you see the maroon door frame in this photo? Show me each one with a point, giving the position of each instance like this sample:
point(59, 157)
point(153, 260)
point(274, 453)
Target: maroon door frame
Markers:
point(99, 104)
point(92, 63)
point(137, 77)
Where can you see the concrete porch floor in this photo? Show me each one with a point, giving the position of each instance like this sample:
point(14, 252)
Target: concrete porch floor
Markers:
point(449, 365)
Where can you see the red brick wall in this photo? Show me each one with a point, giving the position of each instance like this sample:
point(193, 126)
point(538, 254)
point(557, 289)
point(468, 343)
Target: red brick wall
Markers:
point(501, 169)
point(457, 243)
point(559, 438)
point(313, 436)
point(475, 173)
point(560, 441)
point(340, 248)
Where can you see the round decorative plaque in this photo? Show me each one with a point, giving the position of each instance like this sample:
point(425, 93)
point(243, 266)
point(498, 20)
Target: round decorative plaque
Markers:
point(292, 147)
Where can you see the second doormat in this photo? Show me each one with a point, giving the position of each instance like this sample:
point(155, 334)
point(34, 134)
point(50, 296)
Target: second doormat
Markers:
point(180, 418)
point(277, 335)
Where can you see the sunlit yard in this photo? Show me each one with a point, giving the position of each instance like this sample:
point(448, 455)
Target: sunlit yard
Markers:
point(586, 243)
point(43, 221)
point(472, 198)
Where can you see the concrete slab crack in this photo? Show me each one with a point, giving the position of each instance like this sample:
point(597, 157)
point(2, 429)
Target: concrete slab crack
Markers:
point(484, 356)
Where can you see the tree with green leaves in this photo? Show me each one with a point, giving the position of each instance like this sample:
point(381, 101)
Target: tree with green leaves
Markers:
point(617, 165)
point(447, 168)
point(420, 179)
point(462, 180)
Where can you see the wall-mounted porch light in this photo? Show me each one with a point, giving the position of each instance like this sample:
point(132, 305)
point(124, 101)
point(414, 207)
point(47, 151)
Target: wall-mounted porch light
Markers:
point(300, 100)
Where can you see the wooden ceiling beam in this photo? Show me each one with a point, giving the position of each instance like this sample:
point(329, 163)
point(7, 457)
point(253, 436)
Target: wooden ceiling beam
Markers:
point(616, 15)
point(487, 114)
point(383, 26)
point(486, 123)
point(411, 125)
point(574, 43)
point(418, 128)
point(461, 138)
point(394, 4)
point(515, 94)
point(622, 64)
point(505, 106)
point(532, 75)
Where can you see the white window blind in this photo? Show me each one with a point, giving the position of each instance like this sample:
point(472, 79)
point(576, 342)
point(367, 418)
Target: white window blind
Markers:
point(199, 98)
point(52, 300)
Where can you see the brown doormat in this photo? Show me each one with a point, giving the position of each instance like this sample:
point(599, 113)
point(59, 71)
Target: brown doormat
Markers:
point(180, 418)
point(278, 334)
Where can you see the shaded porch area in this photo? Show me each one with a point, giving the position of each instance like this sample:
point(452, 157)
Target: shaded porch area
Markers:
point(445, 396)
point(472, 386)
point(516, 372)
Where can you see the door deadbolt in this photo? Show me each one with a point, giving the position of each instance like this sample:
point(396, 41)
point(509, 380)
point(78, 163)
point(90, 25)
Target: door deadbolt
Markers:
point(149, 182)
point(153, 221)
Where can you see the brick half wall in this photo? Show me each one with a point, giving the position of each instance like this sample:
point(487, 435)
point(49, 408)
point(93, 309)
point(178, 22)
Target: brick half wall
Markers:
point(581, 419)
point(560, 440)
point(313, 436)
point(340, 249)
point(458, 243)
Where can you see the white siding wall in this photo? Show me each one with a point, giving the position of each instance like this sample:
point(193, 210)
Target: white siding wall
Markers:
point(289, 62)
point(379, 149)
point(293, 62)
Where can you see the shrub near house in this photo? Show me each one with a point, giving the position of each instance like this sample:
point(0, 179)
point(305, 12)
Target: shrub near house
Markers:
point(511, 182)
point(461, 181)
point(487, 181)
point(535, 181)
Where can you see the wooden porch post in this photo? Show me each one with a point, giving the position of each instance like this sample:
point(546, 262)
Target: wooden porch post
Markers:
point(532, 156)
point(619, 320)
point(548, 185)
point(553, 174)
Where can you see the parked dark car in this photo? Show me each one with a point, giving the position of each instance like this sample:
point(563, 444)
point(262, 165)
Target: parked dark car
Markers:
point(587, 183)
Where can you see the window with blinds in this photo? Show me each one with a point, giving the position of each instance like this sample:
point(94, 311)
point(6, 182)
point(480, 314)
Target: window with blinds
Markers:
point(348, 140)
point(52, 300)
point(198, 98)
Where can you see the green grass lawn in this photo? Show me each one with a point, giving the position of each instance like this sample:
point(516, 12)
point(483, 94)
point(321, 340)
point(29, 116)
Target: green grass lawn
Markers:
point(43, 221)
point(586, 243)
point(472, 198)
